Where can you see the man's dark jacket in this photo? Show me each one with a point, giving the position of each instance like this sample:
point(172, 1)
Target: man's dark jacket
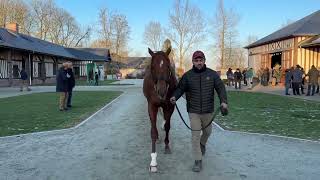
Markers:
point(71, 80)
point(62, 81)
point(199, 86)
point(24, 75)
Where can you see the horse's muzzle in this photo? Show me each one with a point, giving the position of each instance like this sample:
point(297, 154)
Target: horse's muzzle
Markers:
point(161, 89)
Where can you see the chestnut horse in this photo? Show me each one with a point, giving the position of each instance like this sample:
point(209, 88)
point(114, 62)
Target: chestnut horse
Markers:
point(158, 86)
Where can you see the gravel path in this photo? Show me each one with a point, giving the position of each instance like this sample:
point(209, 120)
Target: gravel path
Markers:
point(115, 144)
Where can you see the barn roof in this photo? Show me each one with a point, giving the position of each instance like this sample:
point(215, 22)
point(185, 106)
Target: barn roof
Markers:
point(307, 26)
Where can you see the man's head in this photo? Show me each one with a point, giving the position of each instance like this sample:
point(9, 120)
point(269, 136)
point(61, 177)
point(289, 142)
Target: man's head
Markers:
point(198, 59)
point(65, 65)
point(69, 64)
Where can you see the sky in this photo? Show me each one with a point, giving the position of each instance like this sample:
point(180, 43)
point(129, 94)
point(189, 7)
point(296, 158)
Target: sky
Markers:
point(257, 17)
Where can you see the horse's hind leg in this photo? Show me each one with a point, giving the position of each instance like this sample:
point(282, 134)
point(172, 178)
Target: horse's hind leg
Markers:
point(154, 136)
point(167, 112)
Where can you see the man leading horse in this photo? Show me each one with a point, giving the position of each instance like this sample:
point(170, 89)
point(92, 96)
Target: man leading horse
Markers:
point(199, 84)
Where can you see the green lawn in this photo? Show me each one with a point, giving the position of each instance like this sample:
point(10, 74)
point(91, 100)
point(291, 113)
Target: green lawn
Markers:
point(39, 111)
point(85, 83)
point(272, 114)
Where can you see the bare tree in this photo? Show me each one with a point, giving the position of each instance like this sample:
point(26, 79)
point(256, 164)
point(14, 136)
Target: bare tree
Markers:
point(251, 39)
point(43, 19)
point(18, 13)
point(187, 27)
point(239, 57)
point(59, 18)
point(84, 38)
point(114, 32)
point(28, 27)
point(70, 32)
point(120, 34)
point(225, 33)
point(42, 15)
point(98, 43)
point(57, 25)
point(15, 11)
point(105, 27)
point(286, 23)
point(4, 8)
point(153, 35)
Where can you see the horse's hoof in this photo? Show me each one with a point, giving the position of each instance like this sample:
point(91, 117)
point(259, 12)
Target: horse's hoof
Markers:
point(153, 169)
point(167, 151)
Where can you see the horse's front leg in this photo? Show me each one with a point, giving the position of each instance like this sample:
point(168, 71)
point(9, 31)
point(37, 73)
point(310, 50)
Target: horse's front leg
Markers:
point(167, 112)
point(153, 110)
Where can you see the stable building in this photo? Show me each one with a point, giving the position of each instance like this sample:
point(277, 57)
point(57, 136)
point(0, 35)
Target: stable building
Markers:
point(41, 59)
point(295, 44)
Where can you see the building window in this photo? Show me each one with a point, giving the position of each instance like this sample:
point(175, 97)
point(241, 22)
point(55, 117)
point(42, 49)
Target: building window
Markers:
point(3, 69)
point(76, 71)
point(49, 69)
point(54, 69)
point(39, 70)
point(16, 73)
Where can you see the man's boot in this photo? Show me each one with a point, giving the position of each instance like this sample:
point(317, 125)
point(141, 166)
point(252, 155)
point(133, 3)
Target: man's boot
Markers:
point(203, 149)
point(197, 166)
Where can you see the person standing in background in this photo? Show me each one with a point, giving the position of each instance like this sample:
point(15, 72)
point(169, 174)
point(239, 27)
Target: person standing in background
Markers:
point(62, 86)
point(96, 78)
point(24, 80)
point(249, 77)
point(71, 83)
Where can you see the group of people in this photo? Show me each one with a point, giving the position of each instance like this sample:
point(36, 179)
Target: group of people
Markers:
point(296, 79)
point(235, 78)
point(64, 86)
point(94, 79)
point(265, 75)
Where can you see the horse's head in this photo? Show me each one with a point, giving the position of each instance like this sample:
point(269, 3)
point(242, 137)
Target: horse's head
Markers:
point(161, 72)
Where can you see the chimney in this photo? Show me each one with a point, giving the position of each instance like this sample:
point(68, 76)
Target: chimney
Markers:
point(14, 27)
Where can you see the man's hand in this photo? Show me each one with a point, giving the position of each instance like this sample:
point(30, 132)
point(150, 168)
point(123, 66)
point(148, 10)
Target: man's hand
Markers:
point(224, 109)
point(173, 100)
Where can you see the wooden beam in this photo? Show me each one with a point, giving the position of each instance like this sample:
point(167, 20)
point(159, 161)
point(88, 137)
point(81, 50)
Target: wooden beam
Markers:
point(10, 67)
point(43, 66)
point(295, 52)
point(29, 64)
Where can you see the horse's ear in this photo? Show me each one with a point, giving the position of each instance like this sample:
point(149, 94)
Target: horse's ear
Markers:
point(168, 51)
point(150, 52)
